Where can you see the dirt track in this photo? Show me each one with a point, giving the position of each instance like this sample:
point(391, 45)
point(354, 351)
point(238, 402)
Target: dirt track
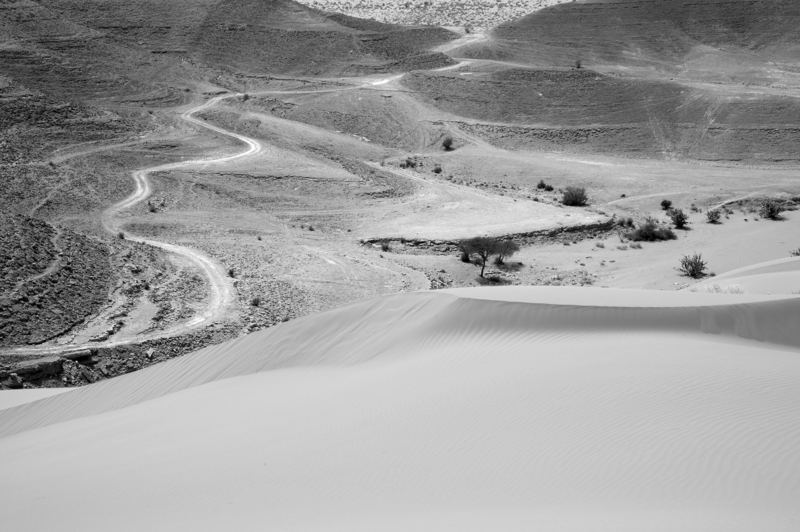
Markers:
point(220, 289)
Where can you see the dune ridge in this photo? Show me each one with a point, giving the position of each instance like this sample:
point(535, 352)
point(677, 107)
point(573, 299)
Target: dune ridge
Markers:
point(368, 330)
point(466, 409)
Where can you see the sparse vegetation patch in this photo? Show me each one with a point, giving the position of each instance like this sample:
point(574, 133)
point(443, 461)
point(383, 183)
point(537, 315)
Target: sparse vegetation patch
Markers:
point(651, 231)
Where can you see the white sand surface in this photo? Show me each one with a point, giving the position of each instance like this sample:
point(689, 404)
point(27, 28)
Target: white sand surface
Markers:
point(474, 409)
point(9, 398)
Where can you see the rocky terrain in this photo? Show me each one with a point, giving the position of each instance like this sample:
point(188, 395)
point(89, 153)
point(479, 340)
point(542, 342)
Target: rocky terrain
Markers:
point(53, 279)
point(474, 14)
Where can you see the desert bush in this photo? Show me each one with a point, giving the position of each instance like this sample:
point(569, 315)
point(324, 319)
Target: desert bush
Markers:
point(255, 302)
point(770, 209)
point(795, 253)
point(679, 218)
point(121, 235)
point(231, 272)
point(625, 222)
point(693, 265)
point(541, 185)
point(408, 163)
point(636, 245)
point(505, 249)
point(447, 143)
point(574, 197)
point(651, 231)
point(385, 246)
point(713, 216)
point(666, 205)
point(437, 169)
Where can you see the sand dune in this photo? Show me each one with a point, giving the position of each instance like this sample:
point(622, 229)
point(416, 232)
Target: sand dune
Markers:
point(469, 409)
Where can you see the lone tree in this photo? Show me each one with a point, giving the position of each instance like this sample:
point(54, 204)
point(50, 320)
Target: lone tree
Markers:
point(505, 249)
point(482, 246)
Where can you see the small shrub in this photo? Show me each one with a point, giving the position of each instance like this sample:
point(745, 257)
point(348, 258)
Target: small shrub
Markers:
point(666, 205)
point(713, 216)
point(796, 253)
point(679, 218)
point(447, 143)
point(625, 222)
point(311, 228)
point(255, 302)
point(121, 235)
point(245, 97)
point(437, 169)
point(693, 266)
point(541, 185)
point(651, 231)
point(408, 163)
point(231, 272)
point(574, 197)
point(600, 245)
point(465, 257)
point(385, 246)
point(636, 245)
point(770, 209)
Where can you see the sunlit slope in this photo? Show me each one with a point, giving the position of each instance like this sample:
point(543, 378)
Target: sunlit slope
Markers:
point(557, 409)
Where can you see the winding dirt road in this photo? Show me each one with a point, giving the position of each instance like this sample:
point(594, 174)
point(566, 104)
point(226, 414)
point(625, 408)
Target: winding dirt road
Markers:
point(221, 291)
